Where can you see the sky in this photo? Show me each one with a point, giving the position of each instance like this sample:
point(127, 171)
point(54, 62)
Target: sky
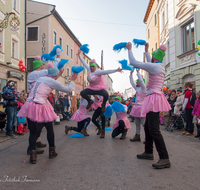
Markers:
point(102, 24)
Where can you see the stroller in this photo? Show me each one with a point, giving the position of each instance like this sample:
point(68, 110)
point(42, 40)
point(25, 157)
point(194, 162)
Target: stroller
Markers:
point(177, 122)
point(2, 120)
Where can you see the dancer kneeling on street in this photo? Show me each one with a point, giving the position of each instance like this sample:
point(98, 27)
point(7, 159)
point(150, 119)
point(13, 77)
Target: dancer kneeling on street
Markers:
point(154, 103)
point(82, 118)
point(38, 110)
point(122, 123)
point(97, 84)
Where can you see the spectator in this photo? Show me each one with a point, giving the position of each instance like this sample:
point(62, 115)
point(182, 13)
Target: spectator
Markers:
point(57, 108)
point(179, 102)
point(164, 91)
point(167, 115)
point(172, 99)
point(51, 99)
point(196, 113)
point(169, 91)
point(24, 94)
point(62, 105)
point(66, 101)
point(187, 107)
point(10, 97)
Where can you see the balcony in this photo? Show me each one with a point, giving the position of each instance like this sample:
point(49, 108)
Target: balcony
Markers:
point(1, 57)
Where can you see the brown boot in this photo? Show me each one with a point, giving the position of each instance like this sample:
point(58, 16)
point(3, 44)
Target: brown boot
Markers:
point(99, 130)
point(89, 104)
point(40, 145)
point(38, 151)
point(33, 156)
point(84, 132)
point(52, 152)
point(102, 133)
point(123, 135)
point(136, 138)
point(103, 107)
point(67, 129)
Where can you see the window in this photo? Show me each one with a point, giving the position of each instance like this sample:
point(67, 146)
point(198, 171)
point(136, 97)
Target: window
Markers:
point(67, 50)
point(155, 20)
point(15, 49)
point(16, 5)
point(188, 37)
point(71, 53)
point(168, 55)
point(1, 41)
point(148, 33)
point(67, 72)
point(32, 33)
point(2, 84)
point(163, 20)
point(54, 38)
point(30, 64)
point(60, 41)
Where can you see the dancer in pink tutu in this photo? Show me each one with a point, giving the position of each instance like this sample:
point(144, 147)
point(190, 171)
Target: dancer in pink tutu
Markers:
point(37, 109)
point(82, 118)
point(97, 84)
point(122, 123)
point(154, 103)
point(98, 100)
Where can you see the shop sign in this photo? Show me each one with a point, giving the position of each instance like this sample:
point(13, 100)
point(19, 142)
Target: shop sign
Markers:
point(15, 74)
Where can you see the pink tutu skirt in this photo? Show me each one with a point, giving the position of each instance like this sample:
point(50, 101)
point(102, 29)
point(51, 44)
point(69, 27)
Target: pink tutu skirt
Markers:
point(37, 112)
point(137, 111)
point(79, 117)
point(155, 103)
point(126, 121)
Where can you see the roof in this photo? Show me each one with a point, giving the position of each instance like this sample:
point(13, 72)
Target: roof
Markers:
point(150, 5)
point(42, 2)
point(64, 25)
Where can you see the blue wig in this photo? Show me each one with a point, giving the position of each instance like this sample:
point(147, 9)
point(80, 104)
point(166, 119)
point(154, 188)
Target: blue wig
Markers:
point(62, 63)
point(77, 69)
point(126, 66)
point(108, 112)
point(118, 107)
point(46, 57)
point(53, 51)
point(117, 47)
point(138, 42)
point(84, 48)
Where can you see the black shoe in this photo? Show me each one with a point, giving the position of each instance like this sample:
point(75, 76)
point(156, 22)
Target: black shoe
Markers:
point(40, 145)
point(67, 129)
point(123, 136)
point(136, 138)
point(197, 136)
point(144, 142)
point(162, 163)
point(102, 133)
point(38, 151)
point(11, 135)
point(146, 156)
point(99, 131)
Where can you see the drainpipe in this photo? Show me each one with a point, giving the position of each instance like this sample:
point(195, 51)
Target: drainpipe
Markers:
point(25, 61)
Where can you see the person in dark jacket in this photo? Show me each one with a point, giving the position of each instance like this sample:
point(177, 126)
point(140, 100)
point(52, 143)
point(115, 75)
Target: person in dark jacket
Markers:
point(62, 104)
point(10, 97)
point(66, 101)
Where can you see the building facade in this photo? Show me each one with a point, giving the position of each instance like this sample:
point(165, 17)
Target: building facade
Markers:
point(12, 44)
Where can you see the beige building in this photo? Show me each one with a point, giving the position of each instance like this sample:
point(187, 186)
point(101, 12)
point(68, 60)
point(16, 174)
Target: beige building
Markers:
point(45, 29)
point(12, 43)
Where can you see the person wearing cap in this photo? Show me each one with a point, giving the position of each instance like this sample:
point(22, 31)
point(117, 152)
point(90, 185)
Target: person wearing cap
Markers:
point(154, 103)
point(122, 123)
point(179, 102)
point(164, 89)
point(97, 84)
point(39, 111)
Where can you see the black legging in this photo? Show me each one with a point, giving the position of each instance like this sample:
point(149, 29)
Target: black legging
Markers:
point(33, 130)
point(119, 129)
point(82, 124)
point(84, 93)
point(96, 114)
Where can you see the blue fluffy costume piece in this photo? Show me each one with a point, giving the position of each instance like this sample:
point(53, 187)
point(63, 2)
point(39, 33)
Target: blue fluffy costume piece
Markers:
point(118, 107)
point(46, 57)
point(118, 47)
point(53, 51)
point(138, 42)
point(108, 112)
point(84, 48)
point(77, 69)
point(108, 129)
point(126, 66)
point(77, 135)
point(62, 63)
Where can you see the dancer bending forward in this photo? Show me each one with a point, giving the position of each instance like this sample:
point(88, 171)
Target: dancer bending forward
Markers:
point(37, 109)
point(122, 123)
point(82, 118)
point(154, 103)
point(97, 84)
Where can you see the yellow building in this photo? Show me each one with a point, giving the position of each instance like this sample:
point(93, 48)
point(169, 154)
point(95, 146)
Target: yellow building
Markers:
point(12, 43)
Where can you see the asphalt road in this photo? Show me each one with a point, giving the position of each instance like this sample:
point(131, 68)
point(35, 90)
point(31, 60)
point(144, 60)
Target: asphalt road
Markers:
point(100, 164)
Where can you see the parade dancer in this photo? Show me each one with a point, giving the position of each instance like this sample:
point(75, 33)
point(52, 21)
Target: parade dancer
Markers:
point(97, 84)
point(122, 123)
point(82, 118)
point(97, 105)
point(140, 89)
point(37, 108)
point(154, 103)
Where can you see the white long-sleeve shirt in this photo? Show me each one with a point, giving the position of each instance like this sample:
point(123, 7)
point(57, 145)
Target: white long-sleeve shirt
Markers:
point(153, 68)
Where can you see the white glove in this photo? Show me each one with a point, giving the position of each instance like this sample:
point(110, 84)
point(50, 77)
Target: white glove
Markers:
point(58, 51)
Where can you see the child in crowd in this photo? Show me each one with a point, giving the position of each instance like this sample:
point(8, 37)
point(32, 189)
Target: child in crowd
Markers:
point(196, 113)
